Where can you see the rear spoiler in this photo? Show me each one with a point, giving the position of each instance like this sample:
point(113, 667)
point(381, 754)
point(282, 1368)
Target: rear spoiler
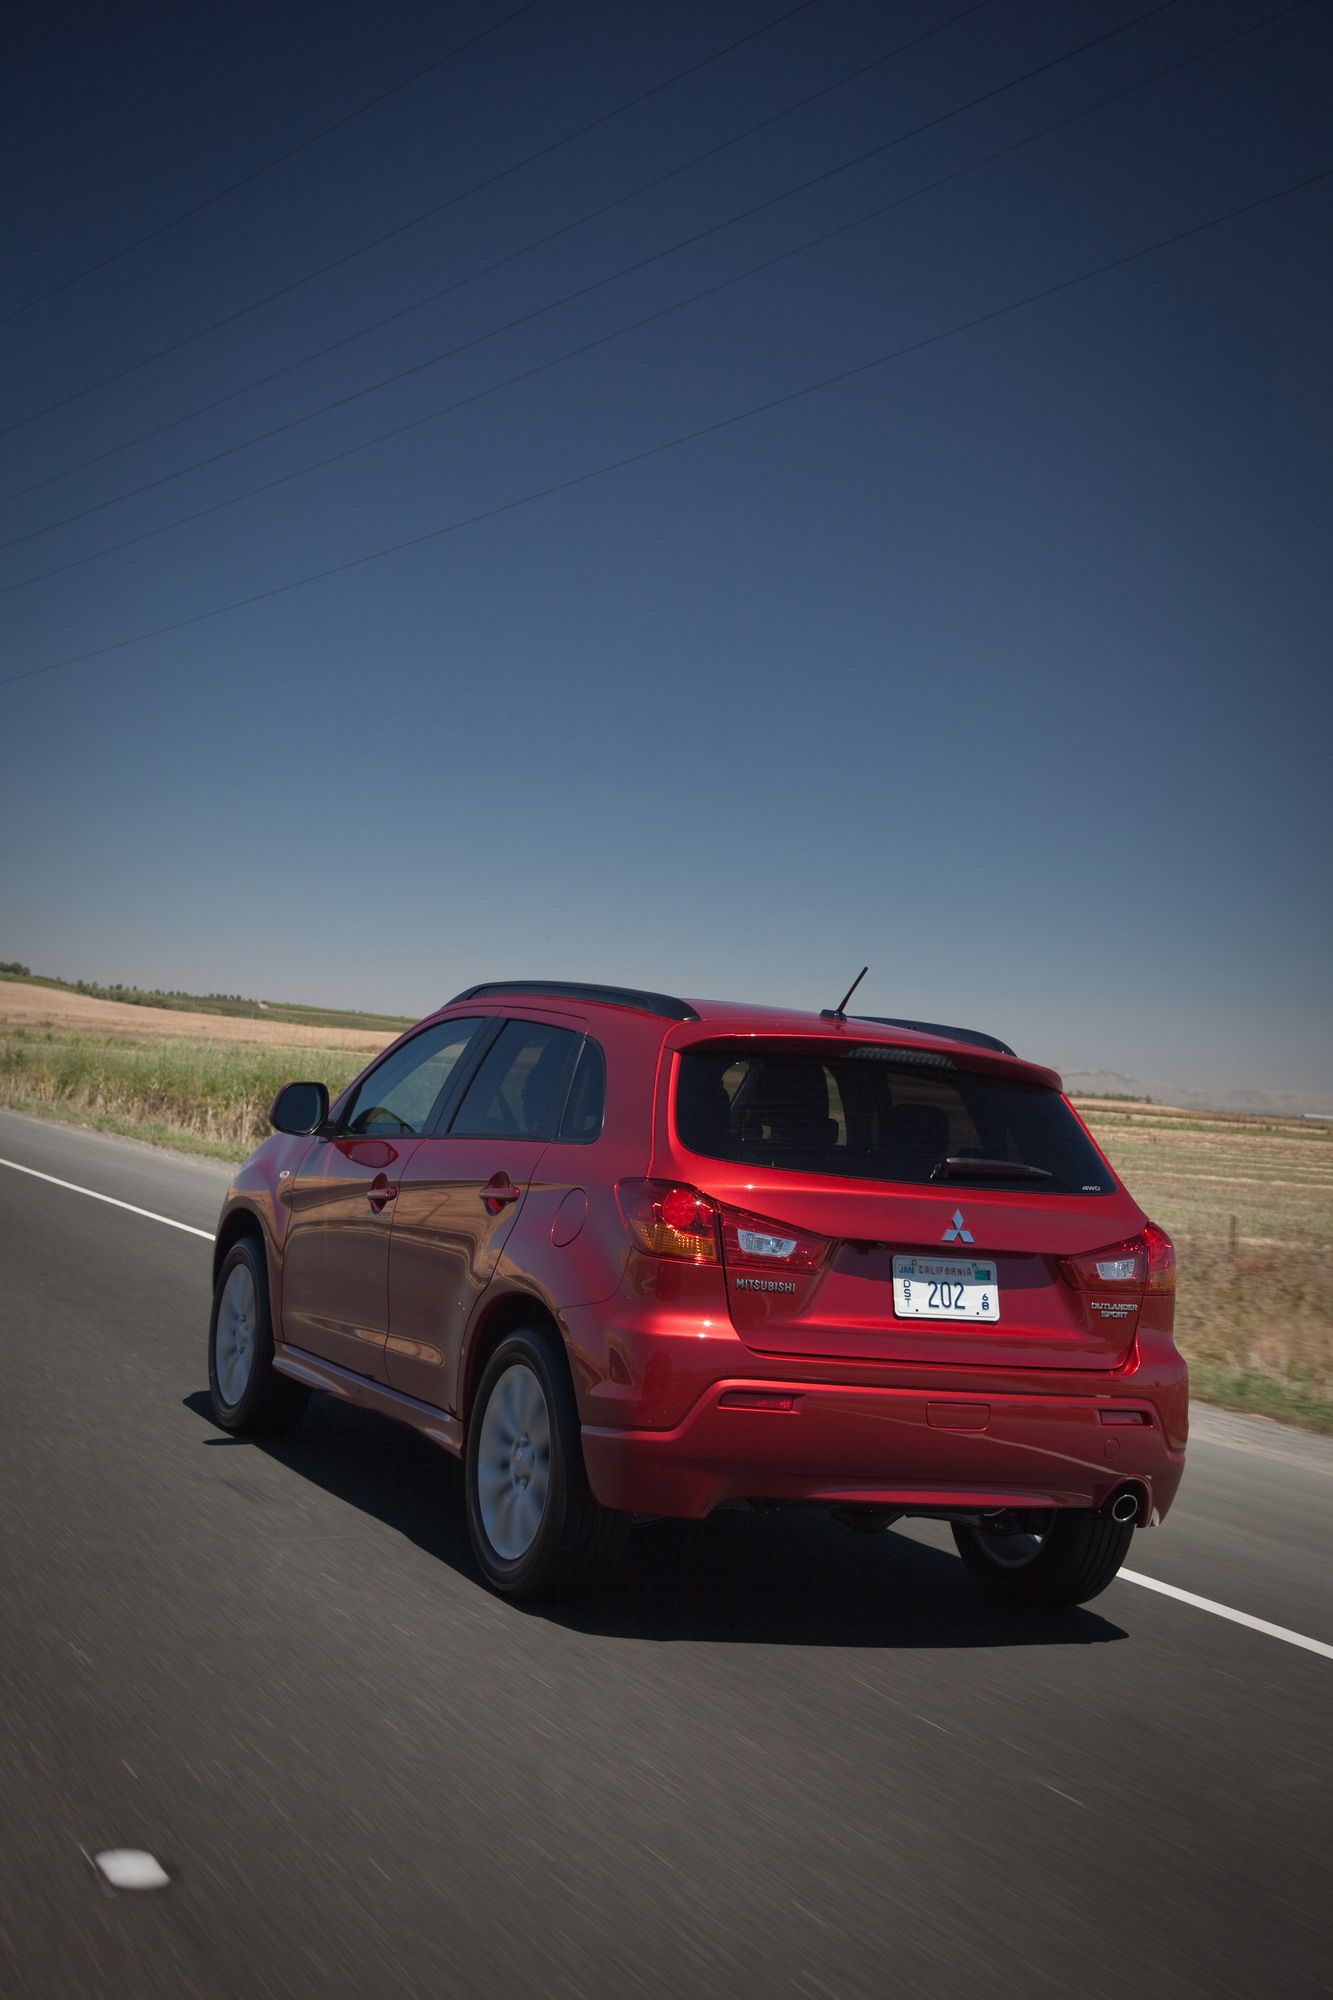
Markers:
point(973, 1035)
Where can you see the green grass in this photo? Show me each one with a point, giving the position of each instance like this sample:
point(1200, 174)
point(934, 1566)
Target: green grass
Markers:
point(147, 1130)
point(334, 1017)
point(1260, 1395)
point(167, 1087)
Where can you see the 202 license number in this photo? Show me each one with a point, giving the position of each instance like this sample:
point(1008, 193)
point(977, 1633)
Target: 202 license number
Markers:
point(945, 1288)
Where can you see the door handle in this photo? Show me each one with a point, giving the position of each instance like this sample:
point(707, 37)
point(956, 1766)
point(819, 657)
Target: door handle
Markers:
point(379, 1192)
point(498, 1190)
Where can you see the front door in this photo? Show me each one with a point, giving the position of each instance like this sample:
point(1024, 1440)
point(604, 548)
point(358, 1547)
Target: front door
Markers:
point(459, 1197)
point(335, 1266)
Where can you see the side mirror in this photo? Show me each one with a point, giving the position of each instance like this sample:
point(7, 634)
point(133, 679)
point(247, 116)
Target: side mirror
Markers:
point(300, 1108)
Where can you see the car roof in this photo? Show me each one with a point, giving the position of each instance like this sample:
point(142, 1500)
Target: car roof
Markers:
point(695, 1019)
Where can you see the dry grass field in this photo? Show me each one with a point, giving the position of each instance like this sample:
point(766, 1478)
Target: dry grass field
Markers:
point(55, 1008)
point(1249, 1201)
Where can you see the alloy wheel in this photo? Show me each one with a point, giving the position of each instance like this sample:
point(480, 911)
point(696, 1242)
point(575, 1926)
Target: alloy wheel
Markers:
point(234, 1348)
point(514, 1462)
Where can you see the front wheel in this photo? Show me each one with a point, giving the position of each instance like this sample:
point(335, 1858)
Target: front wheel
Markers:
point(535, 1527)
point(248, 1393)
point(1058, 1558)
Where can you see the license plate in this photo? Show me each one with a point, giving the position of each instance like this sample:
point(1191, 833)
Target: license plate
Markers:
point(944, 1288)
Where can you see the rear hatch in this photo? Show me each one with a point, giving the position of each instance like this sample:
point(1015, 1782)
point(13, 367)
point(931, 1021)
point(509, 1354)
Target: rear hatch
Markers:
point(903, 1204)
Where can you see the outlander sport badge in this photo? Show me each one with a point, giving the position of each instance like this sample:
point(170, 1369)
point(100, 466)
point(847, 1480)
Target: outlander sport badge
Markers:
point(957, 1232)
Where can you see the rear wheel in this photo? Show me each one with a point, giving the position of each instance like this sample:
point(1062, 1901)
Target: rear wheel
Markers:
point(1060, 1557)
point(536, 1529)
point(248, 1393)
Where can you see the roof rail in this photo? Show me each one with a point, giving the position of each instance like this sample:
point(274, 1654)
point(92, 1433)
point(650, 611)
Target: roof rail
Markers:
point(569, 989)
point(973, 1035)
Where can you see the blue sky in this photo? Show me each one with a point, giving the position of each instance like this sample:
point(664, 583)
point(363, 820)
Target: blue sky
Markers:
point(1004, 666)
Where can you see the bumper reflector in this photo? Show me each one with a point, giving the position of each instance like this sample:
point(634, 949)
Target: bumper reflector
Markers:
point(1124, 1416)
point(756, 1399)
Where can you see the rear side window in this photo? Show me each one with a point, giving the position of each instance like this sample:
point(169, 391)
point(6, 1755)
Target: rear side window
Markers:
point(582, 1122)
point(870, 1118)
point(519, 1090)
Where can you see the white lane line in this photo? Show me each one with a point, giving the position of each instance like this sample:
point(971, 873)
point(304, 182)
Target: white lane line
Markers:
point(1225, 1611)
point(93, 1195)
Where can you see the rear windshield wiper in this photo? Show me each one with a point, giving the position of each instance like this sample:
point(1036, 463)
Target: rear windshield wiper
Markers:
point(958, 1165)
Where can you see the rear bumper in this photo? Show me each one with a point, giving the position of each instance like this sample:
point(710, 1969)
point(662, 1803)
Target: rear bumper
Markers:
point(890, 1447)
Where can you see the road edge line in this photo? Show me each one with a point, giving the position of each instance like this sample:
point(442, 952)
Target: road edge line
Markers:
point(1225, 1611)
point(93, 1195)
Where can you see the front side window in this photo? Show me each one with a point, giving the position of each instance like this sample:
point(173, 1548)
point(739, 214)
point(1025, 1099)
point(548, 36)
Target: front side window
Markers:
point(863, 1116)
point(519, 1091)
point(400, 1095)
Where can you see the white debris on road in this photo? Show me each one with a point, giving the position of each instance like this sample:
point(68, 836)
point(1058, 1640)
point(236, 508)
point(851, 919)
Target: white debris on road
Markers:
point(131, 1868)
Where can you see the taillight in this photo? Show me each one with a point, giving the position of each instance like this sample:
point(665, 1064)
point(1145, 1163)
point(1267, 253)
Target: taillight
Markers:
point(670, 1220)
point(753, 1240)
point(1121, 1267)
point(1145, 1263)
point(1161, 1260)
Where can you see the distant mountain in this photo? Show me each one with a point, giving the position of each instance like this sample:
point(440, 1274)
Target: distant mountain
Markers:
point(1273, 1103)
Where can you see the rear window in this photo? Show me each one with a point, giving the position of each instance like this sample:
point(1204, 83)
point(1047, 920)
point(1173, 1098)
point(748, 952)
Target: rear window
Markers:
point(868, 1116)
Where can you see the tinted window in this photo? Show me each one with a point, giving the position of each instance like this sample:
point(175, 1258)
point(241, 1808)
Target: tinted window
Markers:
point(872, 1119)
point(519, 1091)
point(582, 1121)
point(399, 1095)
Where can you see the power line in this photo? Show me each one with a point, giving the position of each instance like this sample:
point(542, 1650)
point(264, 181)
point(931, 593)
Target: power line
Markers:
point(268, 166)
point(414, 222)
point(499, 263)
point(662, 312)
point(597, 284)
point(765, 408)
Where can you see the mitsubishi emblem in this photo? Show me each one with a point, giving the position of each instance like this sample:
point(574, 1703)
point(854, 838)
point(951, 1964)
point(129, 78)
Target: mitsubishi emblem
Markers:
point(958, 1231)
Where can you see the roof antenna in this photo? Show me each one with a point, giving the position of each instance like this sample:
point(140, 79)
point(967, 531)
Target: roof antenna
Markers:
point(839, 1013)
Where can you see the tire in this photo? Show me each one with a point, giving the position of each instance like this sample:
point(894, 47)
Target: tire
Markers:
point(248, 1393)
point(1070, 1560)
point(536, 1530)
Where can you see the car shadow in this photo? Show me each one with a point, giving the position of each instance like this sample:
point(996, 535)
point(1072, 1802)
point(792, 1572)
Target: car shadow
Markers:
point(787, 1578)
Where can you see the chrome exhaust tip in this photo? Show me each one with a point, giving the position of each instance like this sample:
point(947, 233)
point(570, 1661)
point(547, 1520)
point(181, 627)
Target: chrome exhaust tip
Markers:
point(1125, 1506)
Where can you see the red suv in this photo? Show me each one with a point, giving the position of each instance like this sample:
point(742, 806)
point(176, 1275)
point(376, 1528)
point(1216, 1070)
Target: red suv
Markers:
point(627, 1255)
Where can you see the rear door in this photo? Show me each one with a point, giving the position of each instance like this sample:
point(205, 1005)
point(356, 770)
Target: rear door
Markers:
point(460, 1195)
point(335, 1266)
point(970, 1186)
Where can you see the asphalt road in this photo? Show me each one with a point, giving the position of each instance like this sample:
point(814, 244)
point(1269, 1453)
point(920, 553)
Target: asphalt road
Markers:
point(779, 1759)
